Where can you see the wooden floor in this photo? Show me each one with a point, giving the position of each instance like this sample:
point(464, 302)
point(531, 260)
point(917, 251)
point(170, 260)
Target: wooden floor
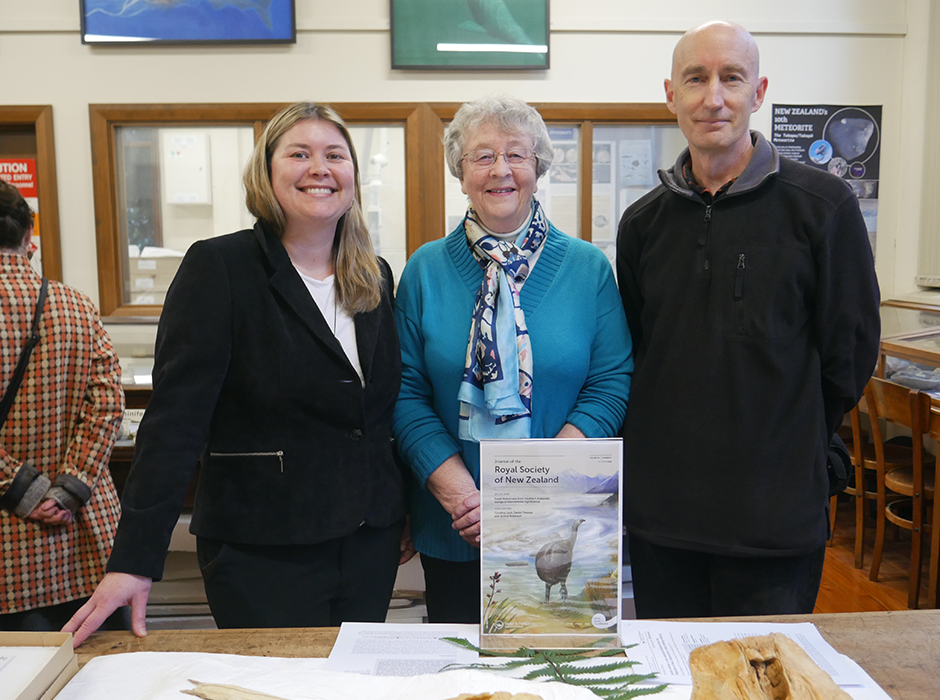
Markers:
point(847, 589)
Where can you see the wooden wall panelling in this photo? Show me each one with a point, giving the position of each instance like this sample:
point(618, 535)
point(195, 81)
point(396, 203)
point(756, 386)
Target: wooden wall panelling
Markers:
point(424, 177)
point(586, 181)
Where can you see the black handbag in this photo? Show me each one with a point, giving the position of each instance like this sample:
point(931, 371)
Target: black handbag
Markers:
point(24, 356)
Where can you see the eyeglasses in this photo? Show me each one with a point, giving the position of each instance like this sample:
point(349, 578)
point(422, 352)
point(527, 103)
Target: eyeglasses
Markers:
point(486, 157)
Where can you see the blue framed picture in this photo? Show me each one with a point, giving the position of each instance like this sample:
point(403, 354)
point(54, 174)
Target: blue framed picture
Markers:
point(470, 34)
point(188, 22)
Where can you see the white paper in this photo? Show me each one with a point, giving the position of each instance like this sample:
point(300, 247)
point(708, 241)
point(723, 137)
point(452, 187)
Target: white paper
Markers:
point(663, 647)
point(161, 676)
point(19, 666)
point(400, 649)
point(636, 169)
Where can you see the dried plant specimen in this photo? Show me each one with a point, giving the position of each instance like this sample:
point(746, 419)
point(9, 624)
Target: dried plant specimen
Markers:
point(217, 691)
point(501, 695)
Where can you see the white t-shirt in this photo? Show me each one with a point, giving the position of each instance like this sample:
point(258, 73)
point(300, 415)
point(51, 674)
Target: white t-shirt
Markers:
point(336, 317)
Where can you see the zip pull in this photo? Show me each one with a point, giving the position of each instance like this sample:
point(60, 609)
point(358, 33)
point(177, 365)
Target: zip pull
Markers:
point(280, 459)
point(739, 278)
point(703, 236)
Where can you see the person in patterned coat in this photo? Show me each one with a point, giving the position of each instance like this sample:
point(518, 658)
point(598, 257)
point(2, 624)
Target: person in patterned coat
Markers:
point(58, 505)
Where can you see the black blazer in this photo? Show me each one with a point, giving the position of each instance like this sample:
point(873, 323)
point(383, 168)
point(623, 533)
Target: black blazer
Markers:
point(249, 377)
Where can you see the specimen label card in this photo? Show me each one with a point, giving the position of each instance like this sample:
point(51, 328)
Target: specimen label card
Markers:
point(550, 541)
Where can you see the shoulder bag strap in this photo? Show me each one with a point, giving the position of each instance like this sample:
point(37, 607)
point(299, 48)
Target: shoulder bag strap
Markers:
point(24, 356)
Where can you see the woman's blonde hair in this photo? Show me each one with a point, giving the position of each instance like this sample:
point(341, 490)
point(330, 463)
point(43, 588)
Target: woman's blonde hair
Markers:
point(358, 276)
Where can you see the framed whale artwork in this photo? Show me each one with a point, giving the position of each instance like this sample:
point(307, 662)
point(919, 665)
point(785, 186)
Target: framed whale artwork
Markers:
point(469, 34)
point(188, 22)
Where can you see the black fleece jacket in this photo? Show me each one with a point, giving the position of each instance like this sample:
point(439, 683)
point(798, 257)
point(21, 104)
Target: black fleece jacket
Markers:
point(756, 326)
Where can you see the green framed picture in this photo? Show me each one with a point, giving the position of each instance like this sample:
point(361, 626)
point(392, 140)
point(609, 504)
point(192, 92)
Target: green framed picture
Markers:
point(469, 34)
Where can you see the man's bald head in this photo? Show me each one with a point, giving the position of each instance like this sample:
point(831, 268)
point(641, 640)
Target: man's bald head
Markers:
point(714, 89)
point(720, 32)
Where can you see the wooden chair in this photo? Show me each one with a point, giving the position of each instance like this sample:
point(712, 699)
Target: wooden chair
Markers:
point(933, 584)
point(910, 408)
point(865, 467)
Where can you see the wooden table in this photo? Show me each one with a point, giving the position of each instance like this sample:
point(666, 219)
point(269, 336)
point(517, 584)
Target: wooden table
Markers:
point(309, 642)
point(900, 650)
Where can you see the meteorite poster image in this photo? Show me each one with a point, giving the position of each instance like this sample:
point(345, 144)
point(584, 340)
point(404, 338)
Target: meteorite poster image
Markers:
point(550, 541)
point(845, 141)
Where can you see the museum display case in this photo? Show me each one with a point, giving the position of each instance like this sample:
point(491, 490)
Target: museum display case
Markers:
point(910, 346)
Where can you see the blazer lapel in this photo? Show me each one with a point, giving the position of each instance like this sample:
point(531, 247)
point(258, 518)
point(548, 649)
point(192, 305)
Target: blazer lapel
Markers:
point(367, 333)
point(287, 284)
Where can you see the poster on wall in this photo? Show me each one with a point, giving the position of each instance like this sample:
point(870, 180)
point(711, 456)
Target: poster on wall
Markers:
point(188, 22)
point(550, 542)
point(21, 173)
point(843, 140)
point(470, 34)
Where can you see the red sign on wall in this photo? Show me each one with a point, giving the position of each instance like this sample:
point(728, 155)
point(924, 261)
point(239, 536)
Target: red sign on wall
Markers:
point(21, 173)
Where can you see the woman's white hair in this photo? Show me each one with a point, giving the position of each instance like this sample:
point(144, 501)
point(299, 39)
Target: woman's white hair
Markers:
point(508, 114)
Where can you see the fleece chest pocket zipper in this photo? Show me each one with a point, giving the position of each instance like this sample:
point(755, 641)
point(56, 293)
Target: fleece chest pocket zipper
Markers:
point(703, 235)
point(279, 454)
point(740, 299)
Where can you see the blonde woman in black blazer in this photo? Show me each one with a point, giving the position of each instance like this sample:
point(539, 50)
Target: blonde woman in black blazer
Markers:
point(277, 364)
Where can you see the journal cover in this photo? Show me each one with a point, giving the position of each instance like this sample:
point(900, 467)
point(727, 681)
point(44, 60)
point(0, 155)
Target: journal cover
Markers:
point(550, 542)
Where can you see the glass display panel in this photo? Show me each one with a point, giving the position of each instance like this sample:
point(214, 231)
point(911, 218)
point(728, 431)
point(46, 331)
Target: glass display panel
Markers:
point(557, 190)
point(910, 347)
point(381, 152)
point(178, 185)
point(626, 159)
point(901, 320)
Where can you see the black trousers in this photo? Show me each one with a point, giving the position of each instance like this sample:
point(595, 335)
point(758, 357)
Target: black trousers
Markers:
point(670, 582)
point(348, 579)
point(452, 590)
point(53, 618)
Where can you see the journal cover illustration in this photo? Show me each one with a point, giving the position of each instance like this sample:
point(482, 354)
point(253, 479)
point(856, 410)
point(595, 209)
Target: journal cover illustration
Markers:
point(550, 537)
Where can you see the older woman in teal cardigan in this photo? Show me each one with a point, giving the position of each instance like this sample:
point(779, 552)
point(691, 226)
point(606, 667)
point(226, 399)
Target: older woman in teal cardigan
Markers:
point(509, 329)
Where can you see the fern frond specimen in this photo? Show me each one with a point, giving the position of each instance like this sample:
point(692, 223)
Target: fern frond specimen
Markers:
point(555, 665)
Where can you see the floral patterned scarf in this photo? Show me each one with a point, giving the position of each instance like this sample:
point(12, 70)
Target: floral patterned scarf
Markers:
point(496, 390)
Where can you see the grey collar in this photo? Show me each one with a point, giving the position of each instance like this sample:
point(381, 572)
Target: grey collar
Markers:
point(764, 163)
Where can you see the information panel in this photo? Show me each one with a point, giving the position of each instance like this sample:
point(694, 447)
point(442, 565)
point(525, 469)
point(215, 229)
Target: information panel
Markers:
point(843, 140)
point(21, 173)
